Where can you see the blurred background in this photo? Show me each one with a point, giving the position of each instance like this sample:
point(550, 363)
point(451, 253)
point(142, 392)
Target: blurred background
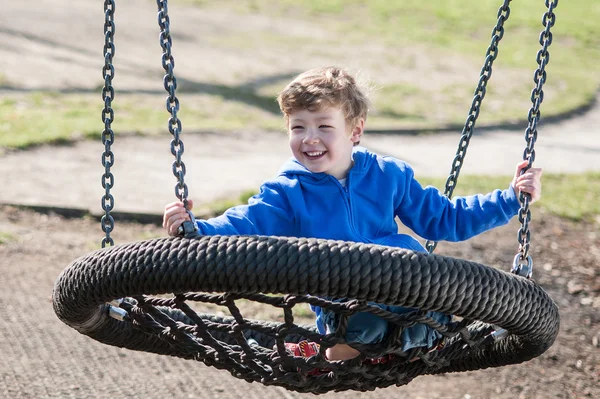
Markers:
point(421, 60)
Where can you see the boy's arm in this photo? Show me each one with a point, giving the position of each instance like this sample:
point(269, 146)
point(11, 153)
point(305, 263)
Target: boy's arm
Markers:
point(267, 213)
point(433, 216)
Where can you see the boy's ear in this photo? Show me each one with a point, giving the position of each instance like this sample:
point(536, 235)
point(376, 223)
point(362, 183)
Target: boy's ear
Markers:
point(358, 130)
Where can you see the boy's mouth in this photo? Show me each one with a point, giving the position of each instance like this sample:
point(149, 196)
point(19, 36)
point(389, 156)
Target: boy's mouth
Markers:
point(314, 154)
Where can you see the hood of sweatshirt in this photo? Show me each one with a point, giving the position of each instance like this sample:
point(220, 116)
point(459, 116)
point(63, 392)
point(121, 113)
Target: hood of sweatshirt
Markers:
point(360, 156)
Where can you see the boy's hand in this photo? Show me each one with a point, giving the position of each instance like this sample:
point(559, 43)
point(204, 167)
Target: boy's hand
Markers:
point(529, 182)
point(175, 215)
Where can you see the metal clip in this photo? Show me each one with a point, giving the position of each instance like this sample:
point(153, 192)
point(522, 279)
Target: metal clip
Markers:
point(521, 269)
point(188, 228)
point(117, 313)
point(499, 334)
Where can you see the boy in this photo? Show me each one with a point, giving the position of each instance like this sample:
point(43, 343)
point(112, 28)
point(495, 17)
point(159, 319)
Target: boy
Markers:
point(334, 190)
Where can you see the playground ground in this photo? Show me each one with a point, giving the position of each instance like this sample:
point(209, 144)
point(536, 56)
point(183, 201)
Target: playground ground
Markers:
point(43, 358)
point(40, 357)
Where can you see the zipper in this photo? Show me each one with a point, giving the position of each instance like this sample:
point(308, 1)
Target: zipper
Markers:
point(346, 191)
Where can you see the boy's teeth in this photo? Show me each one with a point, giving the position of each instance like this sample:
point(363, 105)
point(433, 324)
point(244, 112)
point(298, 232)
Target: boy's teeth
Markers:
point(315, 153)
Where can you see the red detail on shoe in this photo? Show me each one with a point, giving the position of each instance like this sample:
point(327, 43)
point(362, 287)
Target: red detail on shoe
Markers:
point(306, 349)
point(303, 348)
point(380, 360)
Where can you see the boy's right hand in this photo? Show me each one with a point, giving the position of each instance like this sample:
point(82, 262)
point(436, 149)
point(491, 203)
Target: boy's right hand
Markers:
point(175, 215)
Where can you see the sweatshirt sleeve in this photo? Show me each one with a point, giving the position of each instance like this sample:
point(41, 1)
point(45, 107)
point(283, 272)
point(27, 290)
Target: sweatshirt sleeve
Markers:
point(267, 213)
point(433, 216)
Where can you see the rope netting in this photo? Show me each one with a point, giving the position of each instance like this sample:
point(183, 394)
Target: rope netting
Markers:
point(286, 272)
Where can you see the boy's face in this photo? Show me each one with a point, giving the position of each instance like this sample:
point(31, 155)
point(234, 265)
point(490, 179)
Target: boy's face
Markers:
point(322, 141)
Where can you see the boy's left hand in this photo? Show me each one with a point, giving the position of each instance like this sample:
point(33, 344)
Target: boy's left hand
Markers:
point(529, 182)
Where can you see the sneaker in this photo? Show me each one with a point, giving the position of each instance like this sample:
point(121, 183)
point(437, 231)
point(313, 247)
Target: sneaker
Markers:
point(302, 348)
point(305, 349)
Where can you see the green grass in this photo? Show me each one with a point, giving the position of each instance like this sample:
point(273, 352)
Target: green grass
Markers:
point(220, 206)
point(462, 27)
point(55, 118)
point(44, 118)
point(6, 238)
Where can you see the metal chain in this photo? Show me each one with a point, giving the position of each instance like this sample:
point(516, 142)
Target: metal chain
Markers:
point(108, 137)
point(467, 132)
point(172, 103)
point(523, 263)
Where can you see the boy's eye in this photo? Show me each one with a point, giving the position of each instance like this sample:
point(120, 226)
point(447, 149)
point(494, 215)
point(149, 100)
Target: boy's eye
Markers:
point(297, 127)
point(325, 127)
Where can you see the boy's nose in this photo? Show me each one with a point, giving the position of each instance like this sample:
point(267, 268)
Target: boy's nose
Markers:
point(310, 137)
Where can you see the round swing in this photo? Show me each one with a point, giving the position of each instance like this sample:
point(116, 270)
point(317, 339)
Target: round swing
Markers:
point(118, 294)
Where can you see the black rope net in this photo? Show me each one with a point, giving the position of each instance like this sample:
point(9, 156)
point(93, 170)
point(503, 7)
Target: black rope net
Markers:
point(285, 272)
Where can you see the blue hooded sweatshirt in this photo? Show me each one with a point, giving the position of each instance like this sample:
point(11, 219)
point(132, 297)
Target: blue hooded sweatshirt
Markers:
point(378, 188)
point(300, 203)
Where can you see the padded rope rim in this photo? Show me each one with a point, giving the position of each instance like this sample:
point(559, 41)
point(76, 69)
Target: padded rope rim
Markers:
point(301, 266)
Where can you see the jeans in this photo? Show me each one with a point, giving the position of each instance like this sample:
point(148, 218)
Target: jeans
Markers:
point(367, 328)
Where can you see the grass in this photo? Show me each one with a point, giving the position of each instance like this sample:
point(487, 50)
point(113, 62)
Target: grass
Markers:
point(6, 238)
point(219, 206)
point(53, 118)
point(447, 30)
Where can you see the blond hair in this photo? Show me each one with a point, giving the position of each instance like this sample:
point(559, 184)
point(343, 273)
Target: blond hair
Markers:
point(320, 88)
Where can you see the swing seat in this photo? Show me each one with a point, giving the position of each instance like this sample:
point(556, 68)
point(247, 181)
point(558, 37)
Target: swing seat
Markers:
point(283, 272)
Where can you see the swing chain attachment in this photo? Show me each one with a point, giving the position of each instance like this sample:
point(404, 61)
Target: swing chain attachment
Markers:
point(188, 228)
point(467, 132)
point(523, 264)
point(115, 311)
point(172, 104)
point(523, 268)
point(108, 136)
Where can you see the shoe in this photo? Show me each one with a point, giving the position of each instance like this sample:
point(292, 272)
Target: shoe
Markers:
point(303, 348)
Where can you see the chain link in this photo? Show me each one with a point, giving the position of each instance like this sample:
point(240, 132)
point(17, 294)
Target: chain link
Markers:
point(523, 262)
point(108, 137)
point(467, 132)
point(172, 103)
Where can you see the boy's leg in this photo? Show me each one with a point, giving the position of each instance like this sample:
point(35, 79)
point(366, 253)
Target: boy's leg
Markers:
point(341, 352)
point(419, 335)
point(364, 328)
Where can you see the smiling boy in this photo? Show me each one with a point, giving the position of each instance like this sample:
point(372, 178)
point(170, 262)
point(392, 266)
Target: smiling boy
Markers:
point(319, 140)
point(333, 189)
